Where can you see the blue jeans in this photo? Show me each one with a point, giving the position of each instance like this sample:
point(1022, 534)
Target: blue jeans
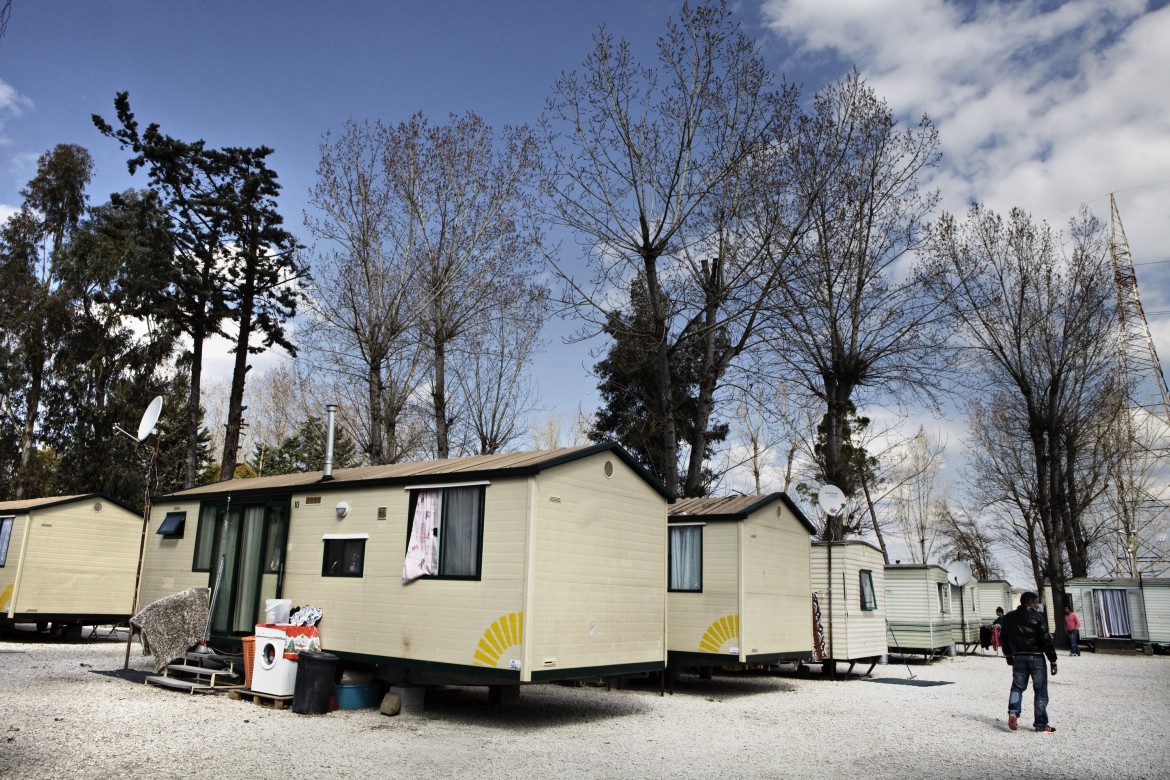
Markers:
point(1036, 667)
point(1074, 642)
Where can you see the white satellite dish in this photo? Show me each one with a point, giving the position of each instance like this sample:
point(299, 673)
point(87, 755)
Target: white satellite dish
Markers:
point(959, 573)
point(831, 499)
point(149, 418)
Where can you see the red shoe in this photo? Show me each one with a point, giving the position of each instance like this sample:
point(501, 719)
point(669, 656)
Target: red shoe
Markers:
point(1012, 722)
point(1047, 730)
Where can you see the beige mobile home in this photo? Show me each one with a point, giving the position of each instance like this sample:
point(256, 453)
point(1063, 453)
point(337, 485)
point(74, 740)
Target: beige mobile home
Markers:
point(68, 560)
point(918, 609)
point(849, 581)
point(739, 581)
point(533, 566)
point(991, 594)
point(1113, 610)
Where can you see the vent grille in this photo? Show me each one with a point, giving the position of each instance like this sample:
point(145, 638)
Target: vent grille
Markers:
point(312, 500)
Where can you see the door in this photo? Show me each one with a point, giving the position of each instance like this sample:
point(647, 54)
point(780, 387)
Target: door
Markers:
point(248, 564)
point(1111, 611)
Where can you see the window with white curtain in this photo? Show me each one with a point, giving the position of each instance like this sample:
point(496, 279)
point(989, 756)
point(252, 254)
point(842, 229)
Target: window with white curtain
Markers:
point(458, 530)
point(686, 558)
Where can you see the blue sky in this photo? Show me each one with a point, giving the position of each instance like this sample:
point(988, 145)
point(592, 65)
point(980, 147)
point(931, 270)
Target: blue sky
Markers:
point(1040, 104)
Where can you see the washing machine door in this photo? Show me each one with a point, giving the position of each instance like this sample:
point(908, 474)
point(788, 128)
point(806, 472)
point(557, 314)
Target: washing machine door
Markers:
point(269, 652)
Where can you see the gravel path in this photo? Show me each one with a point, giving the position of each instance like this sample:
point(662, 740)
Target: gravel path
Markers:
point(66, 713)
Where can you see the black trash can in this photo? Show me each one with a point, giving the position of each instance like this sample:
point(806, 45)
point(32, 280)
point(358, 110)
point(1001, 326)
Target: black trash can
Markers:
point(314, 685)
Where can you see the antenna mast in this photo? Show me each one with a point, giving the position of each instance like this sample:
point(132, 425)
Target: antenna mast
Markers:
point(1143, 529)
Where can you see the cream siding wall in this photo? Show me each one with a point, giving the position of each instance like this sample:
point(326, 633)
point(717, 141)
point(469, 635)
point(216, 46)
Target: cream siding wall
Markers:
point(431, 620)
point(1158, 612)
point(166, 566)
point(691, 615)
point(992, 594)
point(777, 580)
point(599, 590)
point(855, 633)
point(912, 608)
point(73, 560)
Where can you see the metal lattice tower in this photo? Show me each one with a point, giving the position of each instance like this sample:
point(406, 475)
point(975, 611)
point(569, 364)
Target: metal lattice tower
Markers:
point(1143, 534)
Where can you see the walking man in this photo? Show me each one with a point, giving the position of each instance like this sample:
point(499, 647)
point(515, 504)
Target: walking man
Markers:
point(1072, 627)
point(1026, 643)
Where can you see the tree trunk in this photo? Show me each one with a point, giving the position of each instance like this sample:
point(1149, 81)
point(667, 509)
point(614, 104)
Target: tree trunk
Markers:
point(665, 383)
point(877, 529)
point(240, 367)
point(193, 398)
point(439, 394)
point(33, 402)
point(376, 449)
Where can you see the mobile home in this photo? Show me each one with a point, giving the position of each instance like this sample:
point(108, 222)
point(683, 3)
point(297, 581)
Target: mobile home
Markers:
point(848, 579)
point(739, 581)
point(991, 594)
point(530, 567)
point(68, 561)
point(918, 609)
point(1133, 609)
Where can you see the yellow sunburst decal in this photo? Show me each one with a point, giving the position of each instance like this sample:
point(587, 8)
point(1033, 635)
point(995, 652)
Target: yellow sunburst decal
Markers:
point(507, 631)
point(4, 597)
point(723, 630)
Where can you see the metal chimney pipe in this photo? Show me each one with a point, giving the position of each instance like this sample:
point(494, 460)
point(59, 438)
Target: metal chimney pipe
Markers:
point(330, 419)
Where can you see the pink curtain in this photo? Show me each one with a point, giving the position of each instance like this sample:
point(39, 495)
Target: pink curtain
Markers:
point(422, 555)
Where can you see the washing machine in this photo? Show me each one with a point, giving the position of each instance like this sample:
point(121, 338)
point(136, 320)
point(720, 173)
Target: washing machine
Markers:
point(272, 673)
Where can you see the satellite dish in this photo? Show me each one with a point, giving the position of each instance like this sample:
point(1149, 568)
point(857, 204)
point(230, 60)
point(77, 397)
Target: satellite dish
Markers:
point(831, 499)
point(959, 573)
point(149, 418)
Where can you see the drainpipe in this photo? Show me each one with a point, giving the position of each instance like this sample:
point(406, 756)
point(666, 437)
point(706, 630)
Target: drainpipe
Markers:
point(330, 418)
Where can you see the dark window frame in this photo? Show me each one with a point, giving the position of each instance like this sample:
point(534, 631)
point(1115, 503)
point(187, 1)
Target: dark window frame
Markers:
point(7, 537)
point(670, 558)
point(345, 544)
point(173, 525)
point(864, 576)
point(413, 501)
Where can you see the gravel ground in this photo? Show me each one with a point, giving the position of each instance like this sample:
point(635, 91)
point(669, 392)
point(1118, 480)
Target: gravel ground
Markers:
point(67, 710)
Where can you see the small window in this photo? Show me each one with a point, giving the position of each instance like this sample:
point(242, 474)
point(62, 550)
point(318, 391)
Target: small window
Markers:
point(5, 537)
point(454, 519)
point(944, 597)
point(172, 525)
point(686, 558)
point(205, 537)
point(344, 557)
point(868, 598)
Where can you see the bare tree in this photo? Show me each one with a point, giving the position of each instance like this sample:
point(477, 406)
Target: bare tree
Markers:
point(462, 206)
point(675, 178)
point(491, 372)
point(919, 503)
point(964, 537)
point(854, 319)
point(1039, 330)
point(365, 305)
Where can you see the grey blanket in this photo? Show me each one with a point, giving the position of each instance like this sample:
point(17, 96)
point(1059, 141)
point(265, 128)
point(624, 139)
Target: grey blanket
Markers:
point(171, 625)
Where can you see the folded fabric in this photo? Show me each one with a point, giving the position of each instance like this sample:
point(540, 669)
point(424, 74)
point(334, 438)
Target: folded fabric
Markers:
point(171, 625)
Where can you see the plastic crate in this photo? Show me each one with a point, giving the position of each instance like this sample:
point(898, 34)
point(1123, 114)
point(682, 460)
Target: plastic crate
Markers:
point(249, 659)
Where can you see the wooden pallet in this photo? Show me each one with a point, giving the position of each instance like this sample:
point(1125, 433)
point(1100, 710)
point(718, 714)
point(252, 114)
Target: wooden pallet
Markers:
point(266, 699)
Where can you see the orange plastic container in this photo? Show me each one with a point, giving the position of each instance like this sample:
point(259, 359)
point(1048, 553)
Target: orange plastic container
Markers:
point(249, 657)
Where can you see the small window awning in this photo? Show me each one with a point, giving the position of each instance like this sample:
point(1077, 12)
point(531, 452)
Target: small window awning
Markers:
point(172, 524)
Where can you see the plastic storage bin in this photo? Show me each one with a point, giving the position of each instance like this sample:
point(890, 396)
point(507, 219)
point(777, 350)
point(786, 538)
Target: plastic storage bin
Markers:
point(359, 696)
point(314, 686)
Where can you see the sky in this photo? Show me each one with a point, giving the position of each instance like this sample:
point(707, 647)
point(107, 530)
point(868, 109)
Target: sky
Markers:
point(1039, 104)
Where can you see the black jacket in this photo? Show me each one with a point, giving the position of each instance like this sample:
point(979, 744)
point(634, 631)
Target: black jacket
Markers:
point(1026, 631)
